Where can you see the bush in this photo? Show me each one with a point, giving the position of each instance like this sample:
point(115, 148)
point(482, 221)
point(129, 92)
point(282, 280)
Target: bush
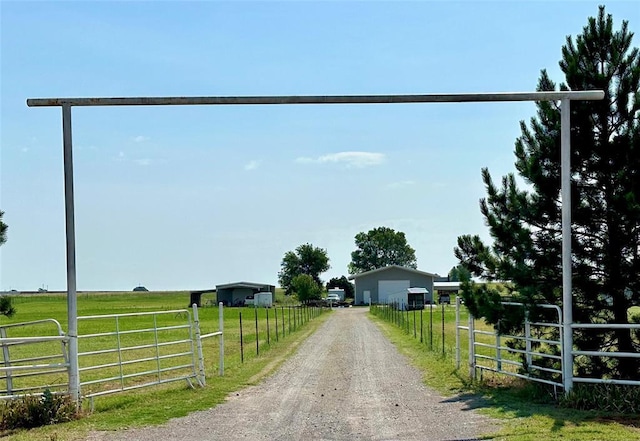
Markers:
point(37, 410)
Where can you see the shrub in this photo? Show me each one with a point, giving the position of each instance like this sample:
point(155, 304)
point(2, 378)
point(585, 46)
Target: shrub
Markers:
point(37, 410)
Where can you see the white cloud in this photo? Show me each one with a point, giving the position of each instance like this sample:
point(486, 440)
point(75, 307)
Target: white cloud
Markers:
point(351, 159)
point(140, 138)
point(143, 161)
point(401, 184)
point(252, 165)
point(24, 149)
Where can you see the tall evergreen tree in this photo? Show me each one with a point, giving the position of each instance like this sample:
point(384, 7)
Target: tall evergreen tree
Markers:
point(525, 224)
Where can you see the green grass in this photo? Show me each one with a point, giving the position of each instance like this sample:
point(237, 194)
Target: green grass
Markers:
point(526, 413)
point(157, 404)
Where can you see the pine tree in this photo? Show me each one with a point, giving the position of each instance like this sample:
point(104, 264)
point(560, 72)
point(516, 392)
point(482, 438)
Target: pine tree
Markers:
point(525, 224)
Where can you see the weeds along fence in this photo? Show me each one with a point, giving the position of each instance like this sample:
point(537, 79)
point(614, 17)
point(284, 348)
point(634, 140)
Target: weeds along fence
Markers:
point(259, 327)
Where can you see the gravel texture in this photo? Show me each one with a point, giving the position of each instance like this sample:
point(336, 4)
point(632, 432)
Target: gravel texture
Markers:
point(346, 382)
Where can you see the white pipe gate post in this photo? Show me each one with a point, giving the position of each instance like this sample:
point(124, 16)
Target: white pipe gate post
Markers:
point(221, 330)
point(72, 298)
point(567, 299)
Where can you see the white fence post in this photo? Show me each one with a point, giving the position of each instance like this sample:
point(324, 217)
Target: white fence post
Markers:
point(527, 336)
point(196, 324)
point(472, 358)
point(221, 329)
point(457, 332)
point(498, 350)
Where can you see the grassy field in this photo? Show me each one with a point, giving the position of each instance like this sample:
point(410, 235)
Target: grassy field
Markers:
point(526, 413)
point(157, 404)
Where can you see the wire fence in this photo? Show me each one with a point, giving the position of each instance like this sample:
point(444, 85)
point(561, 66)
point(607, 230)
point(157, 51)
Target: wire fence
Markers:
point(430, 326)
point(260, 326)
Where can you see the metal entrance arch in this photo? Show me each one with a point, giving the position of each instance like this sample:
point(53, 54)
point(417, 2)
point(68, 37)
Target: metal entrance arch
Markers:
point(565, 98)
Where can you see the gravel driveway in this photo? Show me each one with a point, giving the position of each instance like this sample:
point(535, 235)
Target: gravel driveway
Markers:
point(346, 382)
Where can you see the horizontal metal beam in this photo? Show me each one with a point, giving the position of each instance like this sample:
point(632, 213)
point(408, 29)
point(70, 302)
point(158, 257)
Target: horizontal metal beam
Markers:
point(328, 99)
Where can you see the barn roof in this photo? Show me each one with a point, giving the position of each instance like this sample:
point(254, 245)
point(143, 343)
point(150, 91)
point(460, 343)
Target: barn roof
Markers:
point(386, 268)
point(243, 285)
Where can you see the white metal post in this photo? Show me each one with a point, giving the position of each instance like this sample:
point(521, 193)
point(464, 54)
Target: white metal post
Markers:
point(472, 358)
point(221, 329)
point(527, 340)
point(498, 350)
point(196, 325)
point(72, 304)
point(567, 304)
point(457, 332)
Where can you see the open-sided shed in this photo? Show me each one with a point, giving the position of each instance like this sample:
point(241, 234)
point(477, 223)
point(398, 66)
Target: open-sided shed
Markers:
point(234, 294)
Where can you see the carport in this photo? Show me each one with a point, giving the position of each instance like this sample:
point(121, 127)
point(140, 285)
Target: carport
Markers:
point(234, 294)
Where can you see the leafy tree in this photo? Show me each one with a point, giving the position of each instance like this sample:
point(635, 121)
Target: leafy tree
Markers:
point(3, 229)
point(605, 166)
point(306, 259)
point(342, 283)
point(306, 288)
point(381, 247)
point(458, 273)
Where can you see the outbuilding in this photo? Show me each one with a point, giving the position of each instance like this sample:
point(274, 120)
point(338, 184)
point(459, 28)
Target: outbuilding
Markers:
point(234, 294)
point(376, 285)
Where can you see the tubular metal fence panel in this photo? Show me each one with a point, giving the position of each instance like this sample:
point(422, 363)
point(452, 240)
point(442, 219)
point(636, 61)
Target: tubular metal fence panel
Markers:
point(135, 350)
point(496, 362)
point(33, 362)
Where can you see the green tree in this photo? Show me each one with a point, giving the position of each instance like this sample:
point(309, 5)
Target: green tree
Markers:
point(306, 259)
point(458, 273)
point(3, 229)
point(605, 166)
point(342, 283)
point(306, 288)
point(381, 247)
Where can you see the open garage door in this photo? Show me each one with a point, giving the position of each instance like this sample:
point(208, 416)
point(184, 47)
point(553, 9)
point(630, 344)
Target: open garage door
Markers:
point(387, 287)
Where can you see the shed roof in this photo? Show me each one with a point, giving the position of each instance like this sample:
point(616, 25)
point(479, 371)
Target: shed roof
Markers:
point(243, 285)
point(417, 290)
point(386, 268)
point(446, 286)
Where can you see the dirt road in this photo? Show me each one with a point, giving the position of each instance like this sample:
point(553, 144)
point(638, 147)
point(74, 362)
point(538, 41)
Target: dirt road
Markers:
point(346, 382)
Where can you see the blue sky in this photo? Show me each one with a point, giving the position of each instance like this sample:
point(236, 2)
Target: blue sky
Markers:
point(191, 197)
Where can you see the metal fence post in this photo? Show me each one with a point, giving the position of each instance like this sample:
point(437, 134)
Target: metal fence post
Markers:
point(565, 189)
point(221, 329)
point(196, 327)
point(498, 350)
point(443, 329)
point(457, 332)
point(527, 340)
point(472, 357)
point(7, 361)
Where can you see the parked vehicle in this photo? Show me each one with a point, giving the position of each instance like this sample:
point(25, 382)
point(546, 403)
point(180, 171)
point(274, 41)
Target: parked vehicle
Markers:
point(333, 299)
